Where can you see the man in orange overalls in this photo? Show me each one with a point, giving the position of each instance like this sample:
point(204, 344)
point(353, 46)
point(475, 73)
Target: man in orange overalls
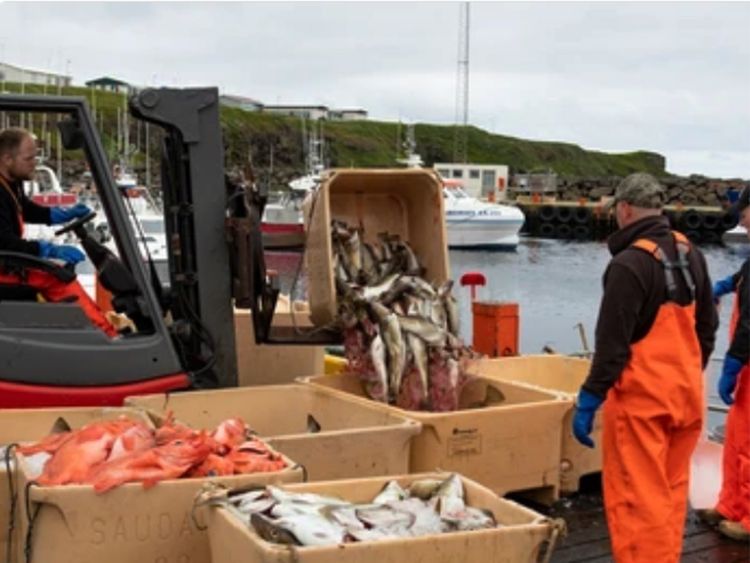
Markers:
point(17, 164)
point(654, 336)
point(732, 513)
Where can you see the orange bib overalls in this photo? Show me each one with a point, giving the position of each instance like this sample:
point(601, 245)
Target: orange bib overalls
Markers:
point(652, 421)
point(734, 498)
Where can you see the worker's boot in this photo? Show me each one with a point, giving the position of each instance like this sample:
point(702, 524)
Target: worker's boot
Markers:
point(734, 530)
point(710, 516)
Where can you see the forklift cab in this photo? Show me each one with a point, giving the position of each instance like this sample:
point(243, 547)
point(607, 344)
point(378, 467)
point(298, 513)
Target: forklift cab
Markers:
point(52, 354)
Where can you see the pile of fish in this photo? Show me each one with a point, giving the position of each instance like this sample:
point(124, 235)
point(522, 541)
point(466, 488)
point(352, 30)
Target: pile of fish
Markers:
point(108, 453)
point(400, 331)
point(426, 507)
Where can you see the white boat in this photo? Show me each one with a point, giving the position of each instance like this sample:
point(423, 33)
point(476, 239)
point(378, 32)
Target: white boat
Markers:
point(737, 234)
point(282, 224)
point(469, 222)
point(472, 223)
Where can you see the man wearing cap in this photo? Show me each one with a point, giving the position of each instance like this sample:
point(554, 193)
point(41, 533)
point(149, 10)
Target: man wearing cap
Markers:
point(654, 336)
point(732, 513)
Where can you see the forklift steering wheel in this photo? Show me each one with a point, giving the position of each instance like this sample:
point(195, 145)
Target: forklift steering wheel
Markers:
point(72, 226)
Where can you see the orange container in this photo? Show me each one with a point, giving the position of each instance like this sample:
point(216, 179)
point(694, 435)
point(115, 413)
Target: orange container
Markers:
point(496, 328)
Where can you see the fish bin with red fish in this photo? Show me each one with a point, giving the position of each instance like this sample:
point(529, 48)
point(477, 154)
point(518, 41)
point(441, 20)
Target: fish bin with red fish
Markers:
point(122, 491)
point(333, 437)
point(28, 425)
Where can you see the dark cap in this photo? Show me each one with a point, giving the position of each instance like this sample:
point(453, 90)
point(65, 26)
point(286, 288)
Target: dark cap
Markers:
point(639, 189)
point(742, 202)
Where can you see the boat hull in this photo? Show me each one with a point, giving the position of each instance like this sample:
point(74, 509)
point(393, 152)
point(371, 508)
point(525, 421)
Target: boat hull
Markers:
point(475, 234)
point(281, 235)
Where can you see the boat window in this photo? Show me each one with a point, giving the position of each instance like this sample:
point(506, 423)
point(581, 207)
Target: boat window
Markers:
point(459, 193)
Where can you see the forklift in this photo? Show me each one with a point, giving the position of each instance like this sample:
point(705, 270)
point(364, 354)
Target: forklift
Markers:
point(184, 330)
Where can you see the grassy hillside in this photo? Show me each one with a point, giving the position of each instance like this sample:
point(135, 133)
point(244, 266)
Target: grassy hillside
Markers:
point(277, 141)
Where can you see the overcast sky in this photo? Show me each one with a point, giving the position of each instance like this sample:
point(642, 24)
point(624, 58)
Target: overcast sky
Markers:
point(668, 77)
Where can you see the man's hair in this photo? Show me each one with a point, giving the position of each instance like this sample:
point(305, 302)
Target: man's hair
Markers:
point(11, 139)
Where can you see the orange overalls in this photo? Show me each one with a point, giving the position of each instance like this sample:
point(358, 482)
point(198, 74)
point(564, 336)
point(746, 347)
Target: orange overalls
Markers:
point(734, 498)
point(54, 290)
point(652, 421)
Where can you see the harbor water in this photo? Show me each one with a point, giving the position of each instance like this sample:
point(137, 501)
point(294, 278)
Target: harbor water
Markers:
point(557, 285)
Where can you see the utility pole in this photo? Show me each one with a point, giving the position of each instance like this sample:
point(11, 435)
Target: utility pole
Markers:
point(460, 148)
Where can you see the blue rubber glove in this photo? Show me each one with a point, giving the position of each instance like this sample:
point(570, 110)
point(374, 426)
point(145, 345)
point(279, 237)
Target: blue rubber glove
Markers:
point(58, 215)
point(728, 380)
point(722, 287)
point(583, 421)
point(69, 254)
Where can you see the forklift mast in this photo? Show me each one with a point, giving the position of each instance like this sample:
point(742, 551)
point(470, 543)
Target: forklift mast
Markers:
point(195, 207)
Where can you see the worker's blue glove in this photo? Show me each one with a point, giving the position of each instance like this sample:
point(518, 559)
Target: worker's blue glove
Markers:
point(58, 215)
point(583, 421)
point(69, 254)
point(722, 287)
point(728, 380)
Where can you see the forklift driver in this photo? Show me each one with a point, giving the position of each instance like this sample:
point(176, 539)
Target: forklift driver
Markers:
point(17, 164)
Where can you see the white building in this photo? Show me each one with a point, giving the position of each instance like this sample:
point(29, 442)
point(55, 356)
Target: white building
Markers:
point(479, 180)
point(241, 102)
point(12, 73)
point(305, 112)
point(319, 112)
point(348, 114)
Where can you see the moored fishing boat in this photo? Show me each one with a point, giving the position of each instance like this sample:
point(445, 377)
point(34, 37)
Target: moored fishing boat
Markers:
point(472, 223)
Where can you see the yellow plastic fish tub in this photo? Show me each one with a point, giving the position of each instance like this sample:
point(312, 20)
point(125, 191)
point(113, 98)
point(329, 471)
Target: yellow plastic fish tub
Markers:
point(334, 365)
point(31, 425)
point(354, 439)
point(561, 374)
point(128, 524)
point(518, 540)
point(406, 202)
point(510, 445)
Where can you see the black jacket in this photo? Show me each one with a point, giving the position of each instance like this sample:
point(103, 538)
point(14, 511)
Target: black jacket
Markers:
point(740, 346)
point(634, 290)
point(10, 228)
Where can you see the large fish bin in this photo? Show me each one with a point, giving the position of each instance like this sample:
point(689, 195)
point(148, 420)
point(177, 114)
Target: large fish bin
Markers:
point(127, 524)
point(332, 437)
point(274, 364)
point(404, 202)
point(31, 425)
point(510, 443)
point(517, 538)
point(560, 374)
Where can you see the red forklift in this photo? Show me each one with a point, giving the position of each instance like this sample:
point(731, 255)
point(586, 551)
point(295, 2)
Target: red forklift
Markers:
point(51, 355)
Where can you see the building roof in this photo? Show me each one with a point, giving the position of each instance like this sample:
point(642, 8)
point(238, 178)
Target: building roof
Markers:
point(35, 70)
point(350, 110)
point(240, 99)
point(106, 81)
point(322, 108)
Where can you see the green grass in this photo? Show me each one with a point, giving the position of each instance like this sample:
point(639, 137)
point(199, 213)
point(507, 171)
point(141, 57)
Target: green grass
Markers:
point(260, 137)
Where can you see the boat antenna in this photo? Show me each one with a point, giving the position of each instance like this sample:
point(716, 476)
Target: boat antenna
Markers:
point(460, 142)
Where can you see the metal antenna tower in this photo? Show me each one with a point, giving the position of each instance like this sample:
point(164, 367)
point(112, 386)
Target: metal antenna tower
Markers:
point(460, 149)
